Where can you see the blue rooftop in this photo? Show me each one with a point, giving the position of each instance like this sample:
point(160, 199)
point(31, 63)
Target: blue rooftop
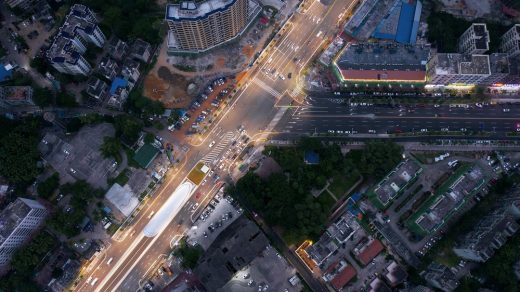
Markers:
point(5, 74)
point(117, 83)
point(401, 23)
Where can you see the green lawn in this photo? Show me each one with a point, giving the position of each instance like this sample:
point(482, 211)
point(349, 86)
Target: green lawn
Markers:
point(340, 184)
point(326, 200)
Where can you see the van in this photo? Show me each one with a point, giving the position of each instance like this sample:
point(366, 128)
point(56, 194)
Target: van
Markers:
point(109, 261)
point(94, 282)
point(151, 214)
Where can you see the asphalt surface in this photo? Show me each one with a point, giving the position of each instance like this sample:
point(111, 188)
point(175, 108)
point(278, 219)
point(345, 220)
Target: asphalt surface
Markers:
point(254, 108)
point(319, 115)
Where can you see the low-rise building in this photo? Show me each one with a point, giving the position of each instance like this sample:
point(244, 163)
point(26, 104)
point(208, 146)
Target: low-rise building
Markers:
point(117, 49)
point(382, 62)
point(141, 50)
point(396, 181)
point(122, 198)
point(366, 251)
point(336, 234)
point(130, 70)
point(440, 277)
point(118, 92)
point(108, 68)
point(340, 274)
point(96, 88)
point(13, 96)
point(18, 222)
point(395, 274)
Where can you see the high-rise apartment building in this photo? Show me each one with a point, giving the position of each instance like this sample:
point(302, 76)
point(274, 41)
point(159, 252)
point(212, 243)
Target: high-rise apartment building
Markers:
point(510, 41)
point(198, 26)
point(475, 40)
point(80, 29)
point(18, 221)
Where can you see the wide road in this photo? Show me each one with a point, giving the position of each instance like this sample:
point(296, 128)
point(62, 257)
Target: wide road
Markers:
point(254, 108)
point(320, 115)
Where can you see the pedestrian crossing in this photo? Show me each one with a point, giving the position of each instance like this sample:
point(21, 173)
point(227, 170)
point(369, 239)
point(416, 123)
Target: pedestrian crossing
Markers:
point(267, 88)
point(217, 149)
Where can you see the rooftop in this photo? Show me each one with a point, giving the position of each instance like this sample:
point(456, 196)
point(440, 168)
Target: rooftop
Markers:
point(122, 198)
point(462, 64)
point(145, 155)
point(11, 216)
point(343, 277)
point(232, 250)
point(63, 51)
point(395, 274)
point(139, 47)
point(16, 93)
point(383, 61)
point(192, 10)
point(394, 182)
point(370, 251)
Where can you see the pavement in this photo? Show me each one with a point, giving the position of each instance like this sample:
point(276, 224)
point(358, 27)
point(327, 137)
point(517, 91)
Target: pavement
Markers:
point(326, 114)
point(253, 108)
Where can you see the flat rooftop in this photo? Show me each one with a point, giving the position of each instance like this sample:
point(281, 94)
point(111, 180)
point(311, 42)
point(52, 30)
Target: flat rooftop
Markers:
point(448, 64)
point(15, 93)
point(394, 182)
point(10, 217)
point(193, 10)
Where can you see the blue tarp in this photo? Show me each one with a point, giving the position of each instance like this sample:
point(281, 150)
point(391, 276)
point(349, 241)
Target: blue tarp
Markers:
point(404, 28)
point(117, 83)
point(312, 157)
point(405, 31)
point(4, 73)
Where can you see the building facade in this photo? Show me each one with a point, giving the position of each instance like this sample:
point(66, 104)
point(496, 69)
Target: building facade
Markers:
point(79, 30)
point(200, 26)
point(18, 221)
point(510, 41)
point(475, 40)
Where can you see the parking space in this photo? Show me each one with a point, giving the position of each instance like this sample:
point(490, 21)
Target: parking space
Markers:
point(219, 213)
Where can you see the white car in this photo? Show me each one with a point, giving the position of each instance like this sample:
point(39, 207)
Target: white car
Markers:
point(372, 131)
point(424, 130)
point(211, 144)
point(506, 110)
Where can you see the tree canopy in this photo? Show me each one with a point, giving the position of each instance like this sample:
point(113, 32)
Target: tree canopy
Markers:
point(48, 186)
point(27, 258)
point(19, 153)
point(189, 255)
point(111, 148)
point(128, 127)
point(379, 157)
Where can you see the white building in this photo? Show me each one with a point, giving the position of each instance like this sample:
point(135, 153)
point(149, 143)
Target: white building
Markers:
point(80, 29)
point(18, 221)
point(510, 41)
point(475, 40)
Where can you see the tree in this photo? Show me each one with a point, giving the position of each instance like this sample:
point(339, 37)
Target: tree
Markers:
point(48, 186)
point(19, 154)
point(128, 127)
point(378, 158)
point(66, 100)
point(188, 254)
point(149, 138)
point(40, 65)
point(57, 272)
point(27, 258)
point(43, 97)
point(111, 148)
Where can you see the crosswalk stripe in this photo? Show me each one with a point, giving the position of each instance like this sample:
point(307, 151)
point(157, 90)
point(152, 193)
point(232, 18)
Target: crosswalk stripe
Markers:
point(267, 88)
point(217, 149)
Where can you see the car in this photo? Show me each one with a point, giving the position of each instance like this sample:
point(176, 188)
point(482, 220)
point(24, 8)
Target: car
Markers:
point(89, 279)
point(463, 129)
point(506, 110)
point(424, 130)
point(250, 283)
point(94, 282)
point(211, 144)
point(436, 105)
point(110, 261)
point(289, 75)
point(371, 131)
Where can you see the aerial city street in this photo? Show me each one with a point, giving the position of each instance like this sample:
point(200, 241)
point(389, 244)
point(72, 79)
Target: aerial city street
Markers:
point(259, 145)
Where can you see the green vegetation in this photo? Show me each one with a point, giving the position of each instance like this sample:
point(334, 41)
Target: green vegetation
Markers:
point(65, 99)
point(40, 65)
point(143, 106)
point(47, 187)
point(341, 184)
point(445, 29)
point(122, 178)
point(26, 259)
point(189, 255)
point(378, 158)
point(43, 97)
point(284, 199)
point(111, 148)
point(128, 128)
point(82, 195)
point(130, 19)
point(19, 151)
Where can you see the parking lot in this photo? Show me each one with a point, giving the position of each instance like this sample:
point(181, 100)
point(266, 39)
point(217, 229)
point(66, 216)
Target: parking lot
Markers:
point(220, 212)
